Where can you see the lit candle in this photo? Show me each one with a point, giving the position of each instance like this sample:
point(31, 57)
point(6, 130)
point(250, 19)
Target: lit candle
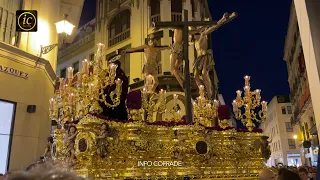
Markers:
point(258, 94)
point(161, 92)
point(91, 88)
point(247, 90)
point(264, 106)
point(70, 73)
point(201, 91)
point(112, 69)
point(235, 105)
point(144, 93)
point(85, 66)
point(51, 106)
point(247, 79)
point(239, 94)
point(118, 83)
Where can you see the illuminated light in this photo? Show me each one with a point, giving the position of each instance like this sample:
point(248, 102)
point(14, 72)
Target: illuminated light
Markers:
point(295, 137)
point(64, 26)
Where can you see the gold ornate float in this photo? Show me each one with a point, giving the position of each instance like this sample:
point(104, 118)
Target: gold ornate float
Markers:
point(142, 146)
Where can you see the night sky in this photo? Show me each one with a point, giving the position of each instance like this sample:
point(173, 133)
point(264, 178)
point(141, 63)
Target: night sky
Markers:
point(252, 44)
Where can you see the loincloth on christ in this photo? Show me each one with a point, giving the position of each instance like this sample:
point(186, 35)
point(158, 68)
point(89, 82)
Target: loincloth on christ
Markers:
point(151, 67)
point(199, 61)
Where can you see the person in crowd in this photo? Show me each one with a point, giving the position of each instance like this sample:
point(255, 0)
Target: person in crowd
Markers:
point(266, 174)
point(1, 176)
point(45, 171)
point(286, 174)
point(303, 173)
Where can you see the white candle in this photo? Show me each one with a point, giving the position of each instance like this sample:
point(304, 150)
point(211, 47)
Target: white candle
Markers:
point(70, 73)
point(239, 93)
point(247, 79)
point(235, 105)
point(175, 99)
point(201, 91)
point(51, 104)
point(85, 66)
point(247, 90)
point(264, 106)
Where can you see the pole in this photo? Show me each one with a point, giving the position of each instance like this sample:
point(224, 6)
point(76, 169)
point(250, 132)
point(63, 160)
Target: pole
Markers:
point(189, 114)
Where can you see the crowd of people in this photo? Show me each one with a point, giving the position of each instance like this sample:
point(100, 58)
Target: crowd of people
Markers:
point(289, 173)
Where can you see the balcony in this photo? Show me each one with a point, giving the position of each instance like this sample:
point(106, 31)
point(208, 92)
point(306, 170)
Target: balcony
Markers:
point(8, 32)
point(76, 45)
point(119, 38)
point(155, 18)
point(176, 17)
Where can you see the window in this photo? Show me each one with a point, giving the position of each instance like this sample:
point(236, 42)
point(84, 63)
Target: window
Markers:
point(91, 57)
point(76, 67)
point(279, 145)
point(289, 109)
point(283, 109)
point(277, 128)
point(292, 144)
point(112, 30)
point(155, 7)
point(176, 6)
point(119, 27)
point(119, 23)
point(7, 111)
point(289, 127)
point(63, 73)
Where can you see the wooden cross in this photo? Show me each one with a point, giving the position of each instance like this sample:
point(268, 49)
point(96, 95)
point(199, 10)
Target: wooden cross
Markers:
point(184, 25)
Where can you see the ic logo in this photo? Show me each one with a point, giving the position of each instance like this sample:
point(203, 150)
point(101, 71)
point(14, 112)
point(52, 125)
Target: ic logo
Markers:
point(26, 21)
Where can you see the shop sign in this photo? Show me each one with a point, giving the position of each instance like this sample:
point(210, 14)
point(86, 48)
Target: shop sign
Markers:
point(14, 72)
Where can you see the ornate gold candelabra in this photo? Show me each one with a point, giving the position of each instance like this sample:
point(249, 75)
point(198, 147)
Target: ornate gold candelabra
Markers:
point(250, 102)
point(204, 110)
point(151, 102)
point(83, 92)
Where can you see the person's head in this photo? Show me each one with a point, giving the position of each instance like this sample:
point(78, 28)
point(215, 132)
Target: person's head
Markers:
point(285, 174)
point(151, 40)
point(303, 173)
point(266, 174)
point(72, 129)
point(105, 126)
point(45, 172)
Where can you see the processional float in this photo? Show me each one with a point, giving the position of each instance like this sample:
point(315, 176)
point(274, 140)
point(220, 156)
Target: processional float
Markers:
point(145, 147)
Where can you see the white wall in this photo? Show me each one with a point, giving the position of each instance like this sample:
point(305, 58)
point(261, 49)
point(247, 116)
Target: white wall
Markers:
point(310, 44)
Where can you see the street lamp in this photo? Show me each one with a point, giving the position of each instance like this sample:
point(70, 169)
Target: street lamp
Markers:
point(295, 136)
point(63, 27)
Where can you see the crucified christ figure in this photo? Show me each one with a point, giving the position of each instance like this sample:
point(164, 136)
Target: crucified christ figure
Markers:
point(204, 62)
point(176, 57)
point(150, 58)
